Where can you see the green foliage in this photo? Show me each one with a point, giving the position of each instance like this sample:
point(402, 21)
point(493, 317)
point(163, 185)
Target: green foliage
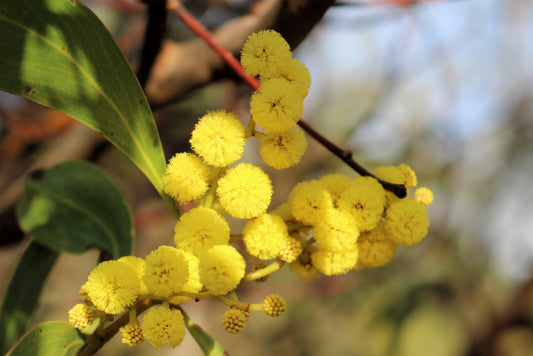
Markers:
point(208, 345)
point(75, 206)
point(62, 56)
point(52, 338)
point(23, 292)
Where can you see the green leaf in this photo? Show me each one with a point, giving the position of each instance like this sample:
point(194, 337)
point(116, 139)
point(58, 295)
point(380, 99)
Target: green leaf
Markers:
point(53, 338)
point(57, 53)
point(208, 345)
point(23, 292)
point(75, 206)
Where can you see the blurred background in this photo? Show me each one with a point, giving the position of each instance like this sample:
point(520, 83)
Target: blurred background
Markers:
point(443, 86)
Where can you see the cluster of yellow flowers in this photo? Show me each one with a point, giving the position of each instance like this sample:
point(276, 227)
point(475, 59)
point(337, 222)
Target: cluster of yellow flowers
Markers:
point(330, 226)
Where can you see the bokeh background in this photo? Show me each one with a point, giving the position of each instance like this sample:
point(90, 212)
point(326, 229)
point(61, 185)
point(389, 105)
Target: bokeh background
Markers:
point(443, 86)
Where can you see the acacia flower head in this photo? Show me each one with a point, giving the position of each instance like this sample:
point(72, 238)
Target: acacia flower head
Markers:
point(335, 184)
point(218, 138)
point(199, 229)
point(276, 106)
point(274, 305)
point(263, 236)
point(297, 73)
point(364, 199)
point(234, 320)
point(336, 230)
point(375, 248)
point(309, 201)
point(334, 263)
point(406, 222)
point(186, 177)
point(162, 326)
point(81, 316)
point(132, 335)
point(290, 249)
point(112, 286)
point(282, 150)
point(244, 191)
point(424, 195)
point(193, 284)
point(137, 264)
point(264, 52)
point(167, 271)
point(221, 269)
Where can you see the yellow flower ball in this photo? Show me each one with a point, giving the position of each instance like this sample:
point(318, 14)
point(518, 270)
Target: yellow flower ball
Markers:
point(283, 149)
point(166, 271)
point(199, 229)
point(263, 236)
point(132, 335)
point(336, 230)
point(162, 326)
point(221, 269)
point(244, 191)
point(137, 264)
point(291, 249)
point(424, 195)
point(309, 201)
point(80, 316)
point(334, 263)
point(234, 320)
point(364, 199)
point(276, 106)
point(186, 177)
point(297, 74)
point(218, 138)
point(335, 184)
point(193, 284)
point(375, 248)
point(112, 286)
point(406, 222)
point(264, 52)
point(274, 305)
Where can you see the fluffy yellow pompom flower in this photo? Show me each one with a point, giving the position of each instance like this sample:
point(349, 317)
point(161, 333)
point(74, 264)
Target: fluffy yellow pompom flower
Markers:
point(409, 176)
point(132, 335)
point(221, 269)
point(274, 305)
point(406, 222)
point(199, 229)
point(264, 52)
point(137, 264)
point(333, 263)
point(244, 191)
point(309, 201)
point(162, 326)
point(80, 316)
point(218, 138)
point(297, 74)
point(336, 230)
point(263, 236)
point(186, 177)
point(112, 286)
point(364, 199)
point(167, 271)
point(424, 195)
point(193, 284)
point(276, 106)
point(234, 320)
point(284, 149)
point(335, 184)
point(375, 248)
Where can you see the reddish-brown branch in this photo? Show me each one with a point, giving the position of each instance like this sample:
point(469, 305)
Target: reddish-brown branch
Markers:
point(398, 189)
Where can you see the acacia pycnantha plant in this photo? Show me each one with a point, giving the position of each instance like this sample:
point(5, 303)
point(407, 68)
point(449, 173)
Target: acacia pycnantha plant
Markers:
point(328, 226)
